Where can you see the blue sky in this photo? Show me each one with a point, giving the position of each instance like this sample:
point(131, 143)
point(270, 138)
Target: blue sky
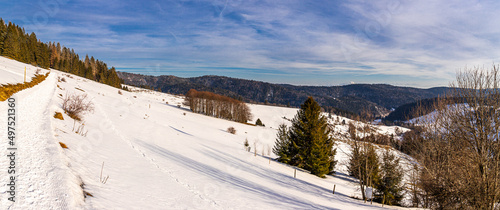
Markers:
point(323, 42)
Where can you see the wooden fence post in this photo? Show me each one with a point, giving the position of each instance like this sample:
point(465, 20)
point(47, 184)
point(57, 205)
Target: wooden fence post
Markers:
point(334, 189)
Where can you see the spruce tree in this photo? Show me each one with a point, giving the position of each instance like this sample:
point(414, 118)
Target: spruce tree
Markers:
point(389, 190)
point(282, 145)
point(11, 43)
point(259, 122)
point(311, 144)
point(3, 35)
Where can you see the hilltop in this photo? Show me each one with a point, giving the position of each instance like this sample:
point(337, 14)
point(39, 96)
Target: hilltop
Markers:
point(379, 99)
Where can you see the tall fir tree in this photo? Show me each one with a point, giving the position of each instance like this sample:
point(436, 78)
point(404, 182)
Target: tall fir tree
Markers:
point(11, 42)
point(389, 189)
point(3, 34)
point(311, 146)
point(282, 145)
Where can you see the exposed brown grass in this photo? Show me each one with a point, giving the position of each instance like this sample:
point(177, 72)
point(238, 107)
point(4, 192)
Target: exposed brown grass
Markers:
point(6, 91)
point(63, 145)
point(59, 115)
point(61, 79)
point(79, 89)
point(85, 194)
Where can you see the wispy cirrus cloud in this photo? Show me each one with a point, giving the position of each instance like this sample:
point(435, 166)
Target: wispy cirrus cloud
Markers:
point(402, 42)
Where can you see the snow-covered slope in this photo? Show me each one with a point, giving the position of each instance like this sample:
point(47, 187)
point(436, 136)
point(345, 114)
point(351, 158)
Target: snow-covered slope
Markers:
point(156, 153)
point(12, 72)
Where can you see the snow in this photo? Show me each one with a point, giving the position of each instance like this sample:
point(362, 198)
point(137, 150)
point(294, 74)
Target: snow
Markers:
point(43, 179)
point(157, 155)
point(12, 72)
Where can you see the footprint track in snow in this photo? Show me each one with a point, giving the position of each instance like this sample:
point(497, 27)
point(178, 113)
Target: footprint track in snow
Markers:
point(152, 160)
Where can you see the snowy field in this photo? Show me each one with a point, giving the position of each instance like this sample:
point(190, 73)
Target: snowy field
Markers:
point(156, 153)
point(12, 72)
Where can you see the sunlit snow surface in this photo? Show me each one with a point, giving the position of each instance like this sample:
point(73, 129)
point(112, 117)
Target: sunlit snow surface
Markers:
point(157, 154)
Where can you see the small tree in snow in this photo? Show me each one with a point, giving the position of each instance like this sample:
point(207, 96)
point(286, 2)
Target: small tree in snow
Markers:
point(389, 189)
point(246, 144)
point(259, 122)
point(282, 145)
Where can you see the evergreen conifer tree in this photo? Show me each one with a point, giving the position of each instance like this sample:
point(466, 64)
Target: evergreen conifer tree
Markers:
point(311, 144)
point(3, 35)
point(11, 44)
point(259, 122)
point(282, 145)
point(389, 190)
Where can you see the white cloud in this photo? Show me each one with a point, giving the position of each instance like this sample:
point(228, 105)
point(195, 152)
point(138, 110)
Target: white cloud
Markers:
point(425, 39)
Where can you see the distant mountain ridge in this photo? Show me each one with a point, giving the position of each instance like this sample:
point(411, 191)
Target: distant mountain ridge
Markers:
point(377, 99)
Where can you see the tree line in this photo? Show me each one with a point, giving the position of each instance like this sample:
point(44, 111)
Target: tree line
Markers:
point(15, 43)
point(218, 106)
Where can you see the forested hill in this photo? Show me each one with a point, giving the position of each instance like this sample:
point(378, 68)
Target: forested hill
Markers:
point(16, 44)
point(378, 99)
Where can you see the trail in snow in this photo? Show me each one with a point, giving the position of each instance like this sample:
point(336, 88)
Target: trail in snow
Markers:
point(41, 175)
point(111, 125)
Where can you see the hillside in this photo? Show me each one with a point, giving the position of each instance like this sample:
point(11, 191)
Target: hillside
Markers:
point(419, 108)
point(379, 99)
point(156, 153)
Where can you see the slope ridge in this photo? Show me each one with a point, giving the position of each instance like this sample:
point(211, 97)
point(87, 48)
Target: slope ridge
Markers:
point(378, 99)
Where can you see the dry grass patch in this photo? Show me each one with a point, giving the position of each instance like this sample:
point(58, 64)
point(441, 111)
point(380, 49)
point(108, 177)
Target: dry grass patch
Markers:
point(85, 193)
point(61, 79)
point(231, 130)
point(59, 115)
point(79, 89)
point(6, 91)
point(63, 145)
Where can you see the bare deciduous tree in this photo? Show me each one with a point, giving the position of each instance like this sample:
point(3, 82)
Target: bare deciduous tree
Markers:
point(460, 154)
point(363, 162)
point(218, 106)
